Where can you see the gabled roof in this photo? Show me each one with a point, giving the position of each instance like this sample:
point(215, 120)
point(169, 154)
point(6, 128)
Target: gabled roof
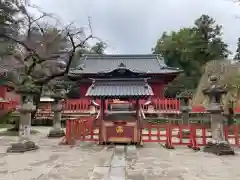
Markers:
point(119, 88)
point(147, 64)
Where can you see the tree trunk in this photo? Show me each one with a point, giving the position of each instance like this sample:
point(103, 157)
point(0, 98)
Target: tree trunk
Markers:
point(37, 102)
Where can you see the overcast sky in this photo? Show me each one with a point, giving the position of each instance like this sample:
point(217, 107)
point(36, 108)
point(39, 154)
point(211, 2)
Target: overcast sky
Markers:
point(133, 26)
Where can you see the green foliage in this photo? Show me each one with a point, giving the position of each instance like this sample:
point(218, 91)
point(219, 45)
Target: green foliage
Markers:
point(237, 55)
point(190, 49)
point(98, 48)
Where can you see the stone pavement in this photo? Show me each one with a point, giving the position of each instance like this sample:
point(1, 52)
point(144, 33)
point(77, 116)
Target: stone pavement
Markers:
point(88, 161)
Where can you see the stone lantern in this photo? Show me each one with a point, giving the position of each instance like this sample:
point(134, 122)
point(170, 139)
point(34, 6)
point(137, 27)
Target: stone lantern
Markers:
point(27, 92)
point(58, 94)
point(185, 97)
point(218, 145)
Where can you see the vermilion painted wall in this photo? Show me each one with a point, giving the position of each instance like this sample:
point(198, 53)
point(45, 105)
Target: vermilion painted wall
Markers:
point(157, 89)
point(3, 90)
point(83, 89)
point(10, 96)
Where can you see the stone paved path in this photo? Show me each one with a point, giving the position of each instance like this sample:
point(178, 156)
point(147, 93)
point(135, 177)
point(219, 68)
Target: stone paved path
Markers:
point(87, 161)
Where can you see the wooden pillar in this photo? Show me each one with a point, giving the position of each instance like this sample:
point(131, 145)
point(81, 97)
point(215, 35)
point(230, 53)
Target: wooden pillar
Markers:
point(106, 104)
point(102, 109)
point(138, 121)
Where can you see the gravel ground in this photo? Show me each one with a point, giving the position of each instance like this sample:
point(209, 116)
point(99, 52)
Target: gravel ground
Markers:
point(86, 161)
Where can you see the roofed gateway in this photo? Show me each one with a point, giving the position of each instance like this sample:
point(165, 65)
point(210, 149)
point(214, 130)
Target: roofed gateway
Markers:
point(128, 78)
point(117, 88)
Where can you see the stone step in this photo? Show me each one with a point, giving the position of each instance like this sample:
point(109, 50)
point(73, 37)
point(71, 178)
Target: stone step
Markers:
point(118, 164)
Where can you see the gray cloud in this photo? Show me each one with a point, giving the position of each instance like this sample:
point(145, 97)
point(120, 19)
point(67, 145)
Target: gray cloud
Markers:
point(134, 26)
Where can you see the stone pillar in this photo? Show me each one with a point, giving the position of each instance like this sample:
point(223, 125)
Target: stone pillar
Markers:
point(56, 130)
point(24, 144)
point(218, 145)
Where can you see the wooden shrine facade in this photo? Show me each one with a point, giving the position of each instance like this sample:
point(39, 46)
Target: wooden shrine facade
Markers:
point(120, 124)
point(128, 78)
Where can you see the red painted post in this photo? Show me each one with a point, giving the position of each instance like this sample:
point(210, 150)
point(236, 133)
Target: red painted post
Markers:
point(106, 105)
point(159, 133)
point(236, 134)
point(193, 136)
point(180, 134)
point(204, 137)
point(149, 133)
point(225, 131)
point(168, 144)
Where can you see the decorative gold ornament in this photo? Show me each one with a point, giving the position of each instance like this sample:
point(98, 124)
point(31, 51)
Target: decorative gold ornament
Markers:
point(119, 129)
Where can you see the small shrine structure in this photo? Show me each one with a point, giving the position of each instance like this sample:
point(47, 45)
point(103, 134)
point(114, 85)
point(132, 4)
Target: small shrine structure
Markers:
point(118, 83)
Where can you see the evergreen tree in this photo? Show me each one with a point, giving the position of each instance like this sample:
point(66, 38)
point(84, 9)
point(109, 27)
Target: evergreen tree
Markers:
point(237, 55)
point(190, 49)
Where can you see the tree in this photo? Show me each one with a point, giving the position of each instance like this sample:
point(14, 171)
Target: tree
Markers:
point(42, 52)
point(212, 45)
point(98, 48)
point(8, 24)
point(237, 55)
point(190, 49)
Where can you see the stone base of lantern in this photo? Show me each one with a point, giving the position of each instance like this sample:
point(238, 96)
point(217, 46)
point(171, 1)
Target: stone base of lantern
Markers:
point(56, 133)
point(219, 148)
point(22, 147)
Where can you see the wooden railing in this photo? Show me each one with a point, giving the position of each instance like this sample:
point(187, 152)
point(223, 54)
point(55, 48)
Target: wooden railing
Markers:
point(80, 105)
point(8, 106)
point(160, 104)
point(76, 105)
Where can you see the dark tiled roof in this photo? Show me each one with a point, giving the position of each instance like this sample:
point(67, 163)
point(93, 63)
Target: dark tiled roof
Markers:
point(119, 87)
point(149, 64)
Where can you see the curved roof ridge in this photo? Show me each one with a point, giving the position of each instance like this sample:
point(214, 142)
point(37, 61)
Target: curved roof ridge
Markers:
point(122, 56)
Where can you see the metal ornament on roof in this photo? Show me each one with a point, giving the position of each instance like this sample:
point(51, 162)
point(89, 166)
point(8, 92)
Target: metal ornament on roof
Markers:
point(122, 68)
point(122, 65)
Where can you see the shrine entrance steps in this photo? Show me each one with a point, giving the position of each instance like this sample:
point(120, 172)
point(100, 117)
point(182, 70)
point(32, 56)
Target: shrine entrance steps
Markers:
point(168, 135)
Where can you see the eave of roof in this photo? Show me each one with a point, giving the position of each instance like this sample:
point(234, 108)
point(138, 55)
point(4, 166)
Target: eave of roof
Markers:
point(119, 88)
point(147, 64)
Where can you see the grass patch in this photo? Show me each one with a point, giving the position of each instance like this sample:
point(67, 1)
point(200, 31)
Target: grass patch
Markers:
point(9, 132)
point(5, 126)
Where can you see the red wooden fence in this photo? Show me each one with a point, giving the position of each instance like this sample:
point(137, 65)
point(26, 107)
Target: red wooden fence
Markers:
point(175, 134)
point(168, 134)
point(81, 129)
point(8, 106)
point(80, 105)
point(76, 104)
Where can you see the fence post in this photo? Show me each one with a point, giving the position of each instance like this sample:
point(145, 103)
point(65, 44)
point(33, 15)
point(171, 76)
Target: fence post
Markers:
point(218, 145)
point(193, 135)
point(169, 144)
